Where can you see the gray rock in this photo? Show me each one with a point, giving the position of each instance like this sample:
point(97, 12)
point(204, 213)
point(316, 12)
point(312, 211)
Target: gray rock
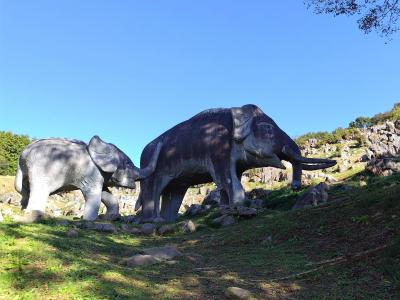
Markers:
point(163, 253)
point(167, 228)
point(383, 166)
point(72, 233)
point(257, 203)
point(224, 220)
point(104, 227)
point(246, 211)
point(213, 198)
point(140, 260)
point(228, 210)
point(314, 196)
point(188, 227)
point(148, 228)
point(194, 210)
point(238, 293)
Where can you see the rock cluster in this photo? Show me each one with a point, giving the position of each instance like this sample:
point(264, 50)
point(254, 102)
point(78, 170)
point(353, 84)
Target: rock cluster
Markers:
point(383, 140)
point(383, 152)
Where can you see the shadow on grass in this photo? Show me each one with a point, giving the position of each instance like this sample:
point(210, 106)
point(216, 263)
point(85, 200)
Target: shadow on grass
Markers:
point(40, 260)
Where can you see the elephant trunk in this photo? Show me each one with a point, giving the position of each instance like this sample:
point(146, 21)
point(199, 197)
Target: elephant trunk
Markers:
point(292, 153)
point(149, 169)
point(307, 163)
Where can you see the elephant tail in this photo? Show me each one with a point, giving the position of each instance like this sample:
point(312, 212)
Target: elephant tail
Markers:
point(19, 178)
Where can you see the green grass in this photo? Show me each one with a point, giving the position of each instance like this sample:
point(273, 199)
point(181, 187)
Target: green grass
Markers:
point(279, 254)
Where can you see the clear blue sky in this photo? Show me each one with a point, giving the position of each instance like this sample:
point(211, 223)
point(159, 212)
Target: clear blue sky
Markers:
point(129, 70)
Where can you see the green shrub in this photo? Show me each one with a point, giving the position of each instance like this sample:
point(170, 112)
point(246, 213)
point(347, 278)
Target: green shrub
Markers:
point(11, 145)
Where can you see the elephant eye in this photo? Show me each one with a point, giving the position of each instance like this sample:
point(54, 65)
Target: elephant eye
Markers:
point(265, 129)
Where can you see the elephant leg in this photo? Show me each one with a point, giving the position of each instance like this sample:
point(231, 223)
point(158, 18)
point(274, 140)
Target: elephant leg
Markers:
point(171, 202)
point(227, 179)
point(150, 197)
point(111, 204)
point(92, 203)
point(25, 195)
point(38, 196)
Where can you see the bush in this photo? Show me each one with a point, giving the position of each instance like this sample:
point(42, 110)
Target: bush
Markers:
point(11, 145)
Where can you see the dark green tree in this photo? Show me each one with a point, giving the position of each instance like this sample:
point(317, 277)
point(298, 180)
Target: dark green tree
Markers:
point(11, 145)
point(380, 16)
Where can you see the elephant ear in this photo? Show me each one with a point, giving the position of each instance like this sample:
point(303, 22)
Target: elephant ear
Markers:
point(242, 121)
point(103, 154)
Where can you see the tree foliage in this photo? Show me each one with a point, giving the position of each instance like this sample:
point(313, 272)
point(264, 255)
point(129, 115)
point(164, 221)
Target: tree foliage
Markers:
point(352, 132)
point(373, 15)
point(11, 146)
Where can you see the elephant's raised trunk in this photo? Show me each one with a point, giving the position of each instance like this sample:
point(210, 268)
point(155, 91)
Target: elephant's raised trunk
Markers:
point(149, 169)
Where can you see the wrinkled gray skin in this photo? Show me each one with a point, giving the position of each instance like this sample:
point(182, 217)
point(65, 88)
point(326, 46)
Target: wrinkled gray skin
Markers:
point(217, 145)
point(50, 166)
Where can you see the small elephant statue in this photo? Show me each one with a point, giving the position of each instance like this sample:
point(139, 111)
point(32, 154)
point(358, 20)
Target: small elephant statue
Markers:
point(54, 165)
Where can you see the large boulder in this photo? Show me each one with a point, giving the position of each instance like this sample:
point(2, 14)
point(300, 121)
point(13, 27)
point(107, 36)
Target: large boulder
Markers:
point(383, 166)
point(314, 196)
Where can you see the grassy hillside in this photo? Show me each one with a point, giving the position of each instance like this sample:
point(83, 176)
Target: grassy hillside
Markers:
point(348, 249)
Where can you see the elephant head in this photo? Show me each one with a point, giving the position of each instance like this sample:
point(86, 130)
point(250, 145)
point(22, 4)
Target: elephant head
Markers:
point(266, 144)
point(120, 169)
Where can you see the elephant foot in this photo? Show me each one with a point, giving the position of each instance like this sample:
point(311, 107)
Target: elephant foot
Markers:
point(30, 217)
point(110, 217)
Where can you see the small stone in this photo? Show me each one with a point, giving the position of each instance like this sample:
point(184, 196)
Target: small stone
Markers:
point(257, 203)
point(188, 227)
point(246, 211)
point(227, 210)
point(140, 260)
point(363, 183)
point(72, 233)
point(148, 228)
point(167, 228)
point(104, 227)
point(224, 220)
point(238, 293)
point(163, 253)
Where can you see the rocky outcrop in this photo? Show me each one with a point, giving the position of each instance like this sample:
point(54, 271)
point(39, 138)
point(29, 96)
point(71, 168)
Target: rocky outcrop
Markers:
point(383, 166)
point(383, 140)
point(383, 152)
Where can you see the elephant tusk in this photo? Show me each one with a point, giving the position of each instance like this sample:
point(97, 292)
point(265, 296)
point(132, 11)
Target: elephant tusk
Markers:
point(300, 159)
point(318, 166)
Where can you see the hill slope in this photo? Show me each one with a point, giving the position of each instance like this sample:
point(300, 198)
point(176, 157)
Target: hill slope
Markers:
point(347, 249)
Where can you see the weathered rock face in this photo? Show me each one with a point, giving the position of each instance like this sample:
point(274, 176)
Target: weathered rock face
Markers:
point(383, 166)
point(383, 152)
point(383, 140)
point(314, 196)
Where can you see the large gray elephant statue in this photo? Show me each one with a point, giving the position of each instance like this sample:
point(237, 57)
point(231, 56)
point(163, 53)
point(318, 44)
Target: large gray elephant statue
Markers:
point(217, 145)
point(50, 166)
